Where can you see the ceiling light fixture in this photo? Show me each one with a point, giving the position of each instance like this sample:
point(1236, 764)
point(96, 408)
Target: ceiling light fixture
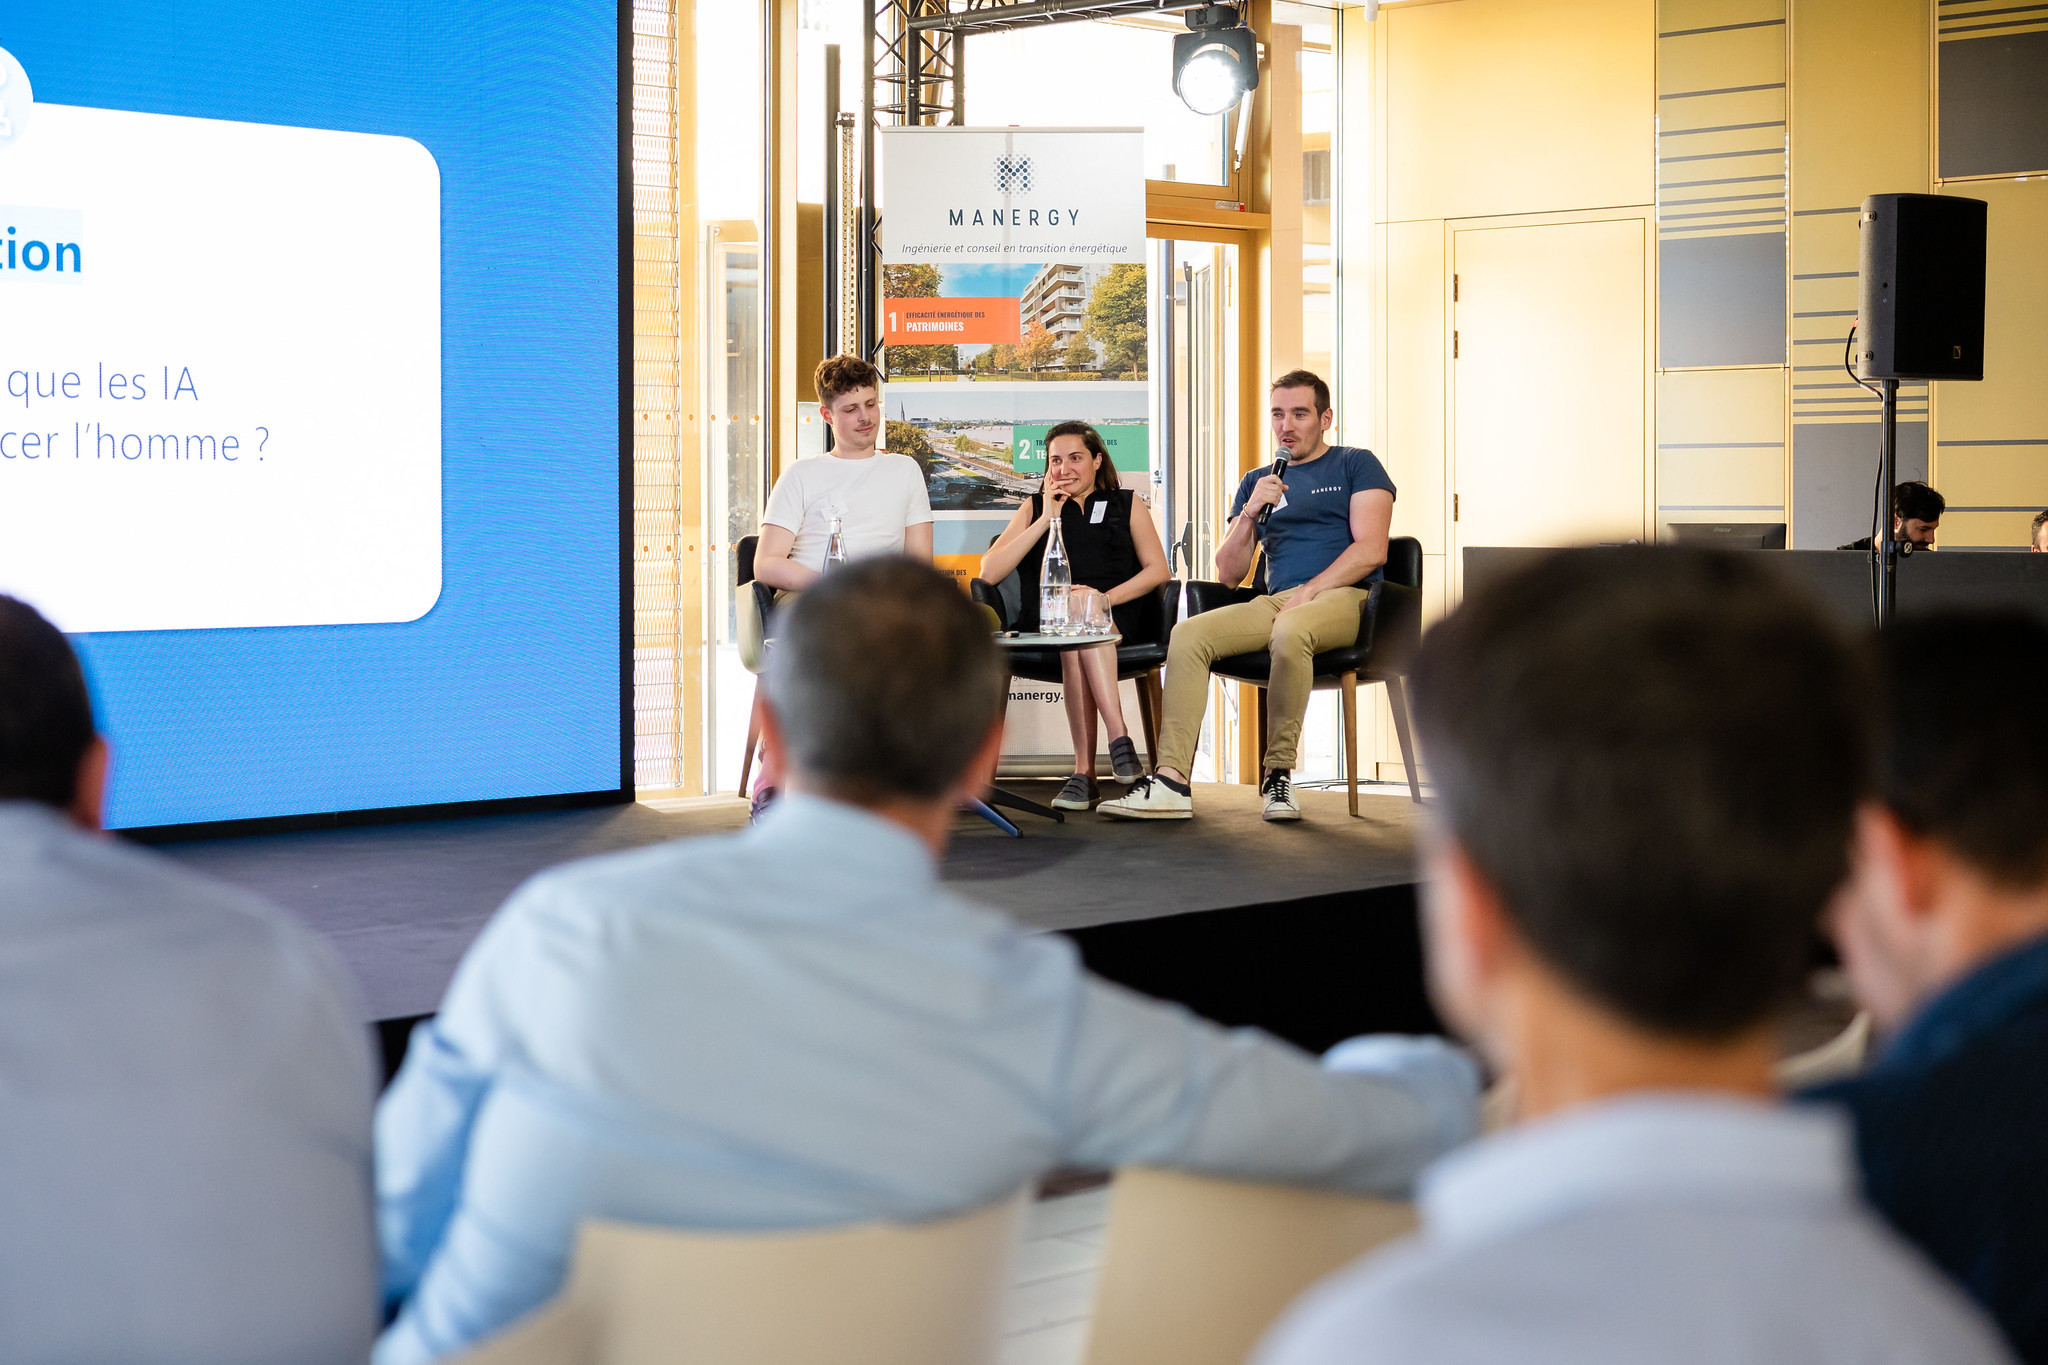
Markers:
point(1216, 61)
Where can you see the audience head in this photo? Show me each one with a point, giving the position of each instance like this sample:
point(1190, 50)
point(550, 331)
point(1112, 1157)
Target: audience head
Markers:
point(1916, 512)
point(1648, 763)
point(1081, 444)
point(2037, 534)
point(1301, 410)
point(1955, 860)
point(885, 686)
point(850, 400)
point(48, 751)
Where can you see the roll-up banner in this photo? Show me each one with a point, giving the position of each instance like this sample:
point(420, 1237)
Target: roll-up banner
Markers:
point(1013, 298)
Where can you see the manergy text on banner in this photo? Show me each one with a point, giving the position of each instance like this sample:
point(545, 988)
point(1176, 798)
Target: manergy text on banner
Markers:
point(1013, 194)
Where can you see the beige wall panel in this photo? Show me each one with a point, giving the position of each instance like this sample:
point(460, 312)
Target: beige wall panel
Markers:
point(1708, 485)
point(1416, 345)
point(1861, 93)
point(1673, 15)
point(1508, 106)
point(1824, 242)
point(1703, 61)
point(1986, 528)
point(1994, 476)
point(2012, 402)
point(1720, 445)
point(1721, 405)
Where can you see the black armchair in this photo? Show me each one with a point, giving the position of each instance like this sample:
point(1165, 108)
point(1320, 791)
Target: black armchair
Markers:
point(1140, 655)
point(1389, 630)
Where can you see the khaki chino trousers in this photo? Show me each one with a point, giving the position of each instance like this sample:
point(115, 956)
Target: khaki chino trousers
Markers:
point(1295, 635)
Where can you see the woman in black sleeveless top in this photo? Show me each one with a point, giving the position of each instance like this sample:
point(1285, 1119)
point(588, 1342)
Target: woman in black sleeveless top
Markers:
point(1114, 552)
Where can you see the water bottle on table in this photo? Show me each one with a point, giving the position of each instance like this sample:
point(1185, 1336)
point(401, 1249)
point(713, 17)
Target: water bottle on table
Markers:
point(835, 547)
point(1055, 583)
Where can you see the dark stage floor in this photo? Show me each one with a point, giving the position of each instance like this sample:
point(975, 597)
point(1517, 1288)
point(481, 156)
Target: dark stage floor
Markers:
point(401, 902)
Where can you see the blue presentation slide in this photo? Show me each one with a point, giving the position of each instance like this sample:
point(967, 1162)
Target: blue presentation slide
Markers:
point(309, 330)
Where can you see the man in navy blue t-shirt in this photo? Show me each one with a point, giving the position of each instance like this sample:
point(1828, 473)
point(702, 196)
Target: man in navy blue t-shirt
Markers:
point(1325, 541)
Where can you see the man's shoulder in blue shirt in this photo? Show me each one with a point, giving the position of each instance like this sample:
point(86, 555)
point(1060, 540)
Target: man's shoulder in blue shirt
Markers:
point(1306, 534)
point(1685, 1229)
point(1951, 1132)
point(799, 1026)
point(187, 1120)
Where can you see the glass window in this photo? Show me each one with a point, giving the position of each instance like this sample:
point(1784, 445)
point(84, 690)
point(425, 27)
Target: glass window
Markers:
point(1098, 73)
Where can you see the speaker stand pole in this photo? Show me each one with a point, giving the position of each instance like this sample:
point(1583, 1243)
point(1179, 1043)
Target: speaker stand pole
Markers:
point(1888, 547)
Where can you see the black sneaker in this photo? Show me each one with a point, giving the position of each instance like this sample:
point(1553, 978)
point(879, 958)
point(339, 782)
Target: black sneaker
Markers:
point(1078, 794)
point(1278, 789)
point(1123, 758)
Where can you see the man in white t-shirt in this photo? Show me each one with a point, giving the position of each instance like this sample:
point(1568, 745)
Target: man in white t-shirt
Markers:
point(879, 498)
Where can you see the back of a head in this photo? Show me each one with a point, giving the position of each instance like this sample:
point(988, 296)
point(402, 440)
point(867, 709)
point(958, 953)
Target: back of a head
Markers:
point(886, 681)
point(1963, 754)
point(1654, 756)
point(45, 712)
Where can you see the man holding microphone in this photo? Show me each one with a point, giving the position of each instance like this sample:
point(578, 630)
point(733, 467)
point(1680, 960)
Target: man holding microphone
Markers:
point(1325, 538)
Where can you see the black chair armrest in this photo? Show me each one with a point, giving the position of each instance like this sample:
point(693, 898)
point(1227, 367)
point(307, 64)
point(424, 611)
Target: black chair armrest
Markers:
point(1395, 626)
point(764, 598)
point(989, 596)
point(1204, 595)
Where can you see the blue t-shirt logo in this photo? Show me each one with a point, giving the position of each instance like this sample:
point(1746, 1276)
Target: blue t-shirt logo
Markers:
point(1307, 532)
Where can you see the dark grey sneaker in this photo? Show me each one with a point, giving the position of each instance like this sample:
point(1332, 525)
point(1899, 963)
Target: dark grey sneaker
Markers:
point(1078, 794)
point(1123, 758)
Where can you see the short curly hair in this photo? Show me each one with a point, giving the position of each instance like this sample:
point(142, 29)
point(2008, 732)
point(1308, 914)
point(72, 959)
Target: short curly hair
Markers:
point(839, 375)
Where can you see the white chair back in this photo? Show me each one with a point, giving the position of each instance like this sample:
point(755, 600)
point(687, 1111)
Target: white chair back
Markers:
point(873, 1294)
point(1196, 1269)
point(561, 1333)
point(876, 1294)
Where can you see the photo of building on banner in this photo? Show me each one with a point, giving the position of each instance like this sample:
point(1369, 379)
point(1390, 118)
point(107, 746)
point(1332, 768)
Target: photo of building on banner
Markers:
point(1032, 344)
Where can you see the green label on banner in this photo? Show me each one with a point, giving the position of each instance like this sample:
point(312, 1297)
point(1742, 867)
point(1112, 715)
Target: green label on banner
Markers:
point(1130, 445)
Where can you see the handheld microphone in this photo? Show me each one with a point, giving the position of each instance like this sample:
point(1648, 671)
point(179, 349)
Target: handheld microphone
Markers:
point(1279, 467)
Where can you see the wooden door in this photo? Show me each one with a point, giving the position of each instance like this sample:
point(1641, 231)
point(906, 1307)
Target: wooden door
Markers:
point(1550, 440)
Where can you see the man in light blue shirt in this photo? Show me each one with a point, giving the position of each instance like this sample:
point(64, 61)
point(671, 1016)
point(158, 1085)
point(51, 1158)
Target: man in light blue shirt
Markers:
point(799, 1026)
point(1647, 764)
point(185, 1083)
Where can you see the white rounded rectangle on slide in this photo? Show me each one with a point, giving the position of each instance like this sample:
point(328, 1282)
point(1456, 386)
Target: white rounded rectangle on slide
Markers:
point(221, 351)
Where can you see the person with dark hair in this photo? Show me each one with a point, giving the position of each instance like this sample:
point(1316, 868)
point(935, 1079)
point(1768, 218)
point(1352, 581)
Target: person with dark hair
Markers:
point(185, 1080)
point(2037, 533)
point(1327, 518)
point(1944, 932)
point(1647, 765)
point(799, 1025)
point(1916, 516)
point(1114, 552)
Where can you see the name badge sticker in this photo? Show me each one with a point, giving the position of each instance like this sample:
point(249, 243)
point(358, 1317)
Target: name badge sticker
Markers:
point(1095, 517)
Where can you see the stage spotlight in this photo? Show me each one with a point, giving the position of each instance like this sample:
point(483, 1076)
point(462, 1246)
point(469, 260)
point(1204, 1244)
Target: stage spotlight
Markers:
point(1216, 61)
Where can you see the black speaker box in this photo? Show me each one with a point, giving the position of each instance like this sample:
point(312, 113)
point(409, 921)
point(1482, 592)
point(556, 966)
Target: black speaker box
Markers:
point(1920, 303)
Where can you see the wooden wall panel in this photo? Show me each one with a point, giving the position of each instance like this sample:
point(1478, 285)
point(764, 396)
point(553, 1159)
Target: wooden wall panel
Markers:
point(1492, 110)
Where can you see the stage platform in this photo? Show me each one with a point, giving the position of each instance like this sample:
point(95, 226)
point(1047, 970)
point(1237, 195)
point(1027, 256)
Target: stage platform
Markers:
point(1251, 906)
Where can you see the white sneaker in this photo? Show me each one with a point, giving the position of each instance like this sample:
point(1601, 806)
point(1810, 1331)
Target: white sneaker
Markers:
point(1150, 799)
point(1278, 789)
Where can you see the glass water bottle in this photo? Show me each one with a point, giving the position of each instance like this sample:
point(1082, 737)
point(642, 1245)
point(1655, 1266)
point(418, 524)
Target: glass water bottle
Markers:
point(1055, 583)
point(835, 547)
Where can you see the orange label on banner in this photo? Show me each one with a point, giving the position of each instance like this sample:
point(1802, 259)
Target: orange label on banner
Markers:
point(942, 322)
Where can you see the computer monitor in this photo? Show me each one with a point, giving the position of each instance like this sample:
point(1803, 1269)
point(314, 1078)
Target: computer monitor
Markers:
point(1731, 535)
